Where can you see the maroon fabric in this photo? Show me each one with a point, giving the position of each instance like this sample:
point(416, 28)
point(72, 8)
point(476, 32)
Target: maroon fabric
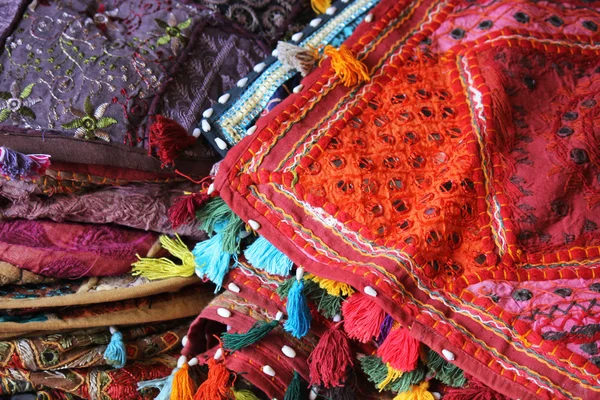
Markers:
point(67, 250)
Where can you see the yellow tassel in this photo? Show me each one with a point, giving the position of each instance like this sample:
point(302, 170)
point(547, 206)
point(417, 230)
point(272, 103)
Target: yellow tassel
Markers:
point(320, 6)
point(392, 375)
point(332, 287)
point(182, 388)
point(163, 268)
point(346, 66)
point(244, 395)
point(416, 392)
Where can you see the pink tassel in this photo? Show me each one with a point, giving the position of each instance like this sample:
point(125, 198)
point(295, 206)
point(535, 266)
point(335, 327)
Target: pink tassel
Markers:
point(400, 350)
point(362, 317)
point(330, 360)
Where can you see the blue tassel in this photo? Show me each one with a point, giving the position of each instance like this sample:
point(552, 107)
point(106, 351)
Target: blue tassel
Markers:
point(115, 353)
point(153, 383)
point(299, 317)
point(211, 261)
point(165, 391)
point(263, 255)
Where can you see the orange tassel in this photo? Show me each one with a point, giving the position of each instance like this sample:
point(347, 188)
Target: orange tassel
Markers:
point(320, 6)
point(182, 384)
point(216, 386)
point(168, 138)
point(346, 66)
point(400, 350)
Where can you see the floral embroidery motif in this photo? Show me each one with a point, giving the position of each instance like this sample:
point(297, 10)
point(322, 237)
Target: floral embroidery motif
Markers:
point(90, 124)
point(16, 103)
point(104, 19)
point(173, 32)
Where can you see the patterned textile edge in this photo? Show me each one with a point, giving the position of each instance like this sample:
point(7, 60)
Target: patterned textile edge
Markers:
point(228, 120)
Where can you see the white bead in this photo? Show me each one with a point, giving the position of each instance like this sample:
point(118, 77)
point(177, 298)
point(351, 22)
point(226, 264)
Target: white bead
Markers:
point(242, 82)
point(218, 353)
point(268, 370)
point(337, 318)
point(278, 316)
point(207, 113)
point(233, 287)
point(228, 327)
point(223, 312)
point(113, 330)
point(223, 99)
point(314, 392)
point(196, 133)
point(181, 360)
point(221, 143)
point(297, 36)
point(345, 1)
point(184, 341)
point(259, 67)
point(436, 395)
point(251, 130)
point(253, 224)
point(299, 273)
point(331, 11)
point(315, 22)
point(448, 354)
point(211, 189)
point(205, 125)
point(298, 88)
point(369, 18)
point(193, 361)
point(288, 351)
point(370, 291)
point(275, 53)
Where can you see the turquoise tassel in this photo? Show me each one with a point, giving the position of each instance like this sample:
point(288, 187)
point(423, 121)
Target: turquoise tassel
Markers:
point(299, 317)
point(211, 261)
point(153, 383)
point(165, 391)
point(263, 255)
point(115, 353)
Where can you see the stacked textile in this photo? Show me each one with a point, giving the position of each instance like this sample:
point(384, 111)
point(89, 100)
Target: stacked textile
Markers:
point(100, 108)
point(419, 212)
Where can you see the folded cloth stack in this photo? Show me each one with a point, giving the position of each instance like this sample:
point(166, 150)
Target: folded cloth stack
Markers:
point(419, 212)
point(100, 108)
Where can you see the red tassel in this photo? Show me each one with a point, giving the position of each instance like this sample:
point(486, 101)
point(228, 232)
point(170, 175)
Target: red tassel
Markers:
point(362, 317)
point(168, 138)
point(216, 386)
point(474, 391)
point(330, 360)
point(184, 208)
point(400, 350)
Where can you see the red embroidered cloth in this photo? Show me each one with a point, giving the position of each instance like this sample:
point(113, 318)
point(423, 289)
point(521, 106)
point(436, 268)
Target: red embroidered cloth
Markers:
point(460, 183)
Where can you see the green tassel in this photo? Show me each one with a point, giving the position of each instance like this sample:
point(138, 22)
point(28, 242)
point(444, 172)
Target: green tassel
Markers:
point(377, 372)
point(374, 368)
point(447, 373)
point(296, 389)
point(284, 288)
point(407, 380)
point(237, 341)
point(215, 214)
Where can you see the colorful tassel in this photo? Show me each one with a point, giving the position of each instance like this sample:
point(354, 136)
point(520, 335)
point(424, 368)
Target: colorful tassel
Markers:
point(374, 368)
point(183, 386)
point(387, 378)
point(416, 392)
point(211, 261)
point(447, 373)
point(330, 360)
point(183, 210)
point(346, 66)
point(392, 376)
point(362, 317)
point(327, 304)
point(216, 386)
point(384, 330)
point(296, 390)
point(115, 353)
point(216, 216)
point(299, 316)
point(400, 350)
point(168, 138)
point(263, 255)
point(296, 57)
point(320, 6)
point(334, 288)
point(244, 395)
point(237, 341)
point(163, 268)
point(16, 165)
